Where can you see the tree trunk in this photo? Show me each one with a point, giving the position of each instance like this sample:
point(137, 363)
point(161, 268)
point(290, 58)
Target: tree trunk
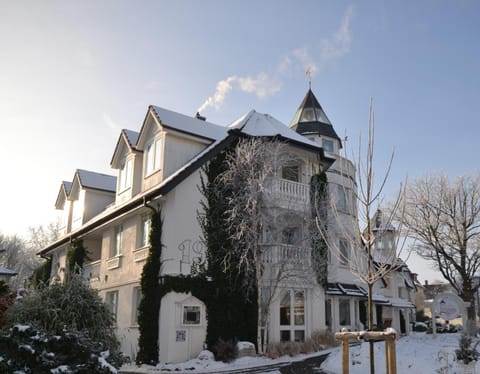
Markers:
point(370, 327)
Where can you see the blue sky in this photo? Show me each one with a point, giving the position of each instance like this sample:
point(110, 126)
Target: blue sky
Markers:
point(73, 73)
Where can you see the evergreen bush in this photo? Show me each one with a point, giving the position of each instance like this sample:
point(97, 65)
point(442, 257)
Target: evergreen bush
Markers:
point(73, 306)
point(149, 308)
point(467, 351)
point(26, 349)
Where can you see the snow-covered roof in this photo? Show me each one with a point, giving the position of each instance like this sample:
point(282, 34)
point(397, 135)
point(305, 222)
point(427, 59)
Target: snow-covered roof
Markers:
point(63, 193)
point(67, 186)
point(98, 181)
point(190, 125)
point(5, 271)
point(259, 124)
point(131, 136)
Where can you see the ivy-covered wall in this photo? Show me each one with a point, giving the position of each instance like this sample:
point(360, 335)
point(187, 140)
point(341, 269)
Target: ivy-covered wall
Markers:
point(231, 315)
point(319, 211)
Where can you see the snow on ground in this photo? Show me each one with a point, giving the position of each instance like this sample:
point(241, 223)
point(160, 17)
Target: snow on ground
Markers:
point(416, 354)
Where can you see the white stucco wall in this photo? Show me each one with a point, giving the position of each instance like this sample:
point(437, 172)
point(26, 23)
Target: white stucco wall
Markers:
point(180, 342)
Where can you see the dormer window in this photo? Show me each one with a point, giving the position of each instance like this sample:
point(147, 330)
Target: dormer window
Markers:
point(125, 176)
point(153, 156)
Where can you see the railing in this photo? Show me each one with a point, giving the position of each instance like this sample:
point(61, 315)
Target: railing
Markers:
point(290, 189)
point(286, 254)
point(91, 271)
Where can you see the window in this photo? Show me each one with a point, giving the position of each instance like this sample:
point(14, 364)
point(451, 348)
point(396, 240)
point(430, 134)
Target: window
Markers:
point(344, 312)
point(191, 315)
point(145, 225)
point(290, 235)
point(285, 309)
point(292, 304)
point(116, 249)
point(327, 145)
point(341, 199)
point(328, 314)
point(266, 293)
point(291, 172)
point(125, 176)
point(344, 251)
point(136, 298)
point(111, 301)
point(153, 156)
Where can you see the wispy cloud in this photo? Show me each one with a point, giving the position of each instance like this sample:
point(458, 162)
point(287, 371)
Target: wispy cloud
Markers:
point(110, 122)
point(311, 60)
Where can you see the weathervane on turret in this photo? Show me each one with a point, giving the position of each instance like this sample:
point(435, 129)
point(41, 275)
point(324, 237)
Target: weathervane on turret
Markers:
point(309, 73)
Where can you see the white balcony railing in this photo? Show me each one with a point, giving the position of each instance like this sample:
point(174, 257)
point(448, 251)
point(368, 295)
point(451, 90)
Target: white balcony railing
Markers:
point(91, 271)
point(284, 254)
point(290, 189)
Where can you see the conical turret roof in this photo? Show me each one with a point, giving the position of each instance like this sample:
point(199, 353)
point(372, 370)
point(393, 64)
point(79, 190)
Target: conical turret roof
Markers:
point(310, 118)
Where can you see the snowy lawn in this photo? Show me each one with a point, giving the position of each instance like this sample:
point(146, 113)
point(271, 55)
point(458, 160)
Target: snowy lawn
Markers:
point(420, 353)
point(416, 354)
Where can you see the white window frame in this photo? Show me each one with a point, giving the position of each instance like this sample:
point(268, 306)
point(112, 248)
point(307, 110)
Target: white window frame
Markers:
point(293, 312)
point(344, 249)
point(125, 175)
point(111, 301)
point(117, 241)
point(145, 225)
point(153, 156)
point(331, 145)
point(198, 309)
point(136, 298)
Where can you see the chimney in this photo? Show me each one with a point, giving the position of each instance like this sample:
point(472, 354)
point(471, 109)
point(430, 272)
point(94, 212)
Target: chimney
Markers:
point(426, 282)
point(200, 117)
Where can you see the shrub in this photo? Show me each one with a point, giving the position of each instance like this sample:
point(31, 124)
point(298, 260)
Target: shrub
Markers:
point(420, 327)
point(61, 309)
point(466, 351)
point(318, 341)
point(25, 349)
point(225, 350)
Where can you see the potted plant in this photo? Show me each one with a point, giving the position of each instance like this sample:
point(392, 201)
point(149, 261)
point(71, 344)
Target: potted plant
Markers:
point(467, 354)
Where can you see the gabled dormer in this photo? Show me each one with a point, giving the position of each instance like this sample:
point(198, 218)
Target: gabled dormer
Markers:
point(127, 160)
point(311, 121)
point(169, 140)
point(384, 232)
point(90, 194)
point(63, 205)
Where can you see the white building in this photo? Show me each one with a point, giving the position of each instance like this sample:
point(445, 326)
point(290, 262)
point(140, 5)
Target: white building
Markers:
point(160, 167)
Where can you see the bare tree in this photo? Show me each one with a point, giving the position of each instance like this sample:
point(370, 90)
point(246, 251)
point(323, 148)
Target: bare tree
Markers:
point(366, 264)
point(21, 254)
point(444, 217)
point(251, 204)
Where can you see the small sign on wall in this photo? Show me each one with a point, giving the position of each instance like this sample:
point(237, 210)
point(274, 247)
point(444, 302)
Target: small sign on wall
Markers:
point(181, 335)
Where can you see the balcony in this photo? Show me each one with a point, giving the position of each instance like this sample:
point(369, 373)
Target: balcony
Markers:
point(290, 190)
point(284, 254)
point(91, 271)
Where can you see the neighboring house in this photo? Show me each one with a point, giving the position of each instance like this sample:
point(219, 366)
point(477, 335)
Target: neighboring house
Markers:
point(395, 294)
point(5, 274)
point(160, 167)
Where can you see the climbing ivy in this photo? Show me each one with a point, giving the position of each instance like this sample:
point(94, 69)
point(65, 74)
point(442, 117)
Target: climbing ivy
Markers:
point(149, 308)
point(318, 226)
point(230, 314)
point(76, 256)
